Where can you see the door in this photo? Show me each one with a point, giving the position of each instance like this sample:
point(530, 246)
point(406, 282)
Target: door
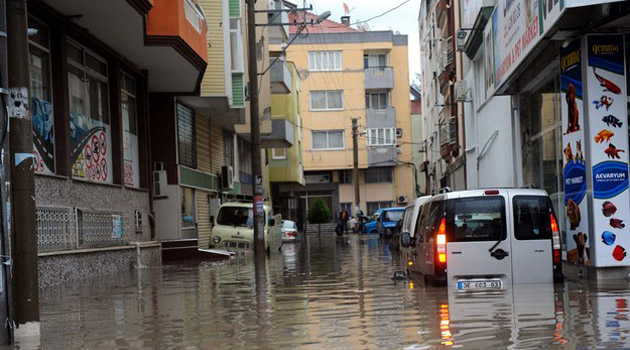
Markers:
point(478, 246)
point(532, 249)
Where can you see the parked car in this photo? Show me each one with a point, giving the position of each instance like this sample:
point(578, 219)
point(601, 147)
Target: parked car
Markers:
point(289, 231)
point(371, 227)
point(388, 219)
point(485, 239)
point(410, 218)
point(234, 228)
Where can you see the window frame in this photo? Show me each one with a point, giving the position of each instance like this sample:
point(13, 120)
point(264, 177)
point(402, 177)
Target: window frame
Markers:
point(335, 53)
point(194, 136)
point(368, 100)
point(239, 46)
point(326, 92)
point(373, 135)
point(328, 132)
point(379, 175)
point(193, 192)
point(281, 156)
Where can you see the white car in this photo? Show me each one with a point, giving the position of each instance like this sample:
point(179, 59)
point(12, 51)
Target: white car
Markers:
point(289, 231)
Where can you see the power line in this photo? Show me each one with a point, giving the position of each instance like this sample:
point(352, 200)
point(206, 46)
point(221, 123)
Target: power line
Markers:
point(375, 17)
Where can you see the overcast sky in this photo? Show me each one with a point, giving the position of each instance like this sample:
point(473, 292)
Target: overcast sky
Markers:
point(403, 19)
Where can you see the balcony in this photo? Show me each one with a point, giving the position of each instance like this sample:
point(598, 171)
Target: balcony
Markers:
point(441, 12)
point(448, 138)
point(277, 33)
point(281, 135)
point(382, 156)
point(445, 62)
point(280, 78)
point(379, 78)
point(381, 118)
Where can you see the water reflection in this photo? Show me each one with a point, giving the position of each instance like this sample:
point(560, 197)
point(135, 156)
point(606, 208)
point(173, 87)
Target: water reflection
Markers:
point(323, 292)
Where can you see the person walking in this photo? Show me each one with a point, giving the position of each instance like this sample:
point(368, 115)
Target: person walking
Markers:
point(343, 218)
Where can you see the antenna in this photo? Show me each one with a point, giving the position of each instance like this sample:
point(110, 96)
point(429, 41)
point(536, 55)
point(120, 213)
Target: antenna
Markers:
point(346, 10)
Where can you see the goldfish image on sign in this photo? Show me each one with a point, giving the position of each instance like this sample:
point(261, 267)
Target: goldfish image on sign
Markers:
point(607, 84)
point(612, 120)
point(617, 223)
point(608, 209)
point(613, 152)
point(608, 238)
point(604, 135)
point(604, 101)
point(619, 253)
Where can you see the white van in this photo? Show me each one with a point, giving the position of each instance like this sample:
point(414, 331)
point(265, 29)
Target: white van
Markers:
point(410, 218)
point(485, 239)
point(234, 228)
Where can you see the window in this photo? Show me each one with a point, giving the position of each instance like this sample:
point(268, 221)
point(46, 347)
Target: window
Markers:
point(187, 202)
point(377, 100)
point(228, 148)
point(375, 60)
point(381, 137)
point(328, 140)
point(324, 60)
point(374, 206)
point(186, 138)
point(532, 215)
point(90, 131)
point(476, 219)
point(244, 161)
point(130, 130)
point(279, 153)
point(345, 176)
point(236, 46)
point(41, 97)
point(236, 216)
point(378, 175)
point(326, 100)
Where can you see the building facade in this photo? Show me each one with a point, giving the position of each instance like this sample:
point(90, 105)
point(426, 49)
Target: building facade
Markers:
point(418, 145)
point(91, 82)
point(345, 74)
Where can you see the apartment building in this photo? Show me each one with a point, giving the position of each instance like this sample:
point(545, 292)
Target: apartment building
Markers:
point(347, 73)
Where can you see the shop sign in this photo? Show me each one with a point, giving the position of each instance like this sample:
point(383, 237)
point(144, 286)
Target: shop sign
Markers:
point(608, 129)
point(574, 161)
point(117, 227)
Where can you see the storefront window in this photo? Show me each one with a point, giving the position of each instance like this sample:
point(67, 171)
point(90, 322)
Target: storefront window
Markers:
point(90, 130)
point(41, 99)
point(130, 130)
point(187, 202)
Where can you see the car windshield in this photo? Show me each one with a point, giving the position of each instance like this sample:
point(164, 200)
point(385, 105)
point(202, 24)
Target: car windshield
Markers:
point(288, 224)
point(394, 215)
point(236, 216)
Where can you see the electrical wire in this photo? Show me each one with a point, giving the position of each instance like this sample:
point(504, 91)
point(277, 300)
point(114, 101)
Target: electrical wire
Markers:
point(374, 17)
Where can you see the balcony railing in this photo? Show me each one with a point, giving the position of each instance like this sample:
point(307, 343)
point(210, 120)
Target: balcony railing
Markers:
point(379, 78)
point(381, 118)
point(382, 155)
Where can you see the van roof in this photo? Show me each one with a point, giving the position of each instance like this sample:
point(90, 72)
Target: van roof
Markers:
point(392, 209)
point(240, 204)
point(482, 192)
point(417, 201)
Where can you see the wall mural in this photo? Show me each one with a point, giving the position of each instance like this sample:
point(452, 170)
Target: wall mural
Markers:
point(43, 137)
point(91, 149)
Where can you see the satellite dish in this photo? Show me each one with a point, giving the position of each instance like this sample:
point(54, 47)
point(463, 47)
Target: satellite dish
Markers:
point(346, 9)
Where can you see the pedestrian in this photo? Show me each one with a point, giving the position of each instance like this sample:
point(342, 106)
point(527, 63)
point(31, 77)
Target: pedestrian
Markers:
point(343, 218)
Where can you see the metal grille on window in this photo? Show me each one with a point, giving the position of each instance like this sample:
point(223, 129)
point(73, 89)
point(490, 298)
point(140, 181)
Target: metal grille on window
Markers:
point(186, 136)
point(228, 148)
point(98, 228)
point(55, 226)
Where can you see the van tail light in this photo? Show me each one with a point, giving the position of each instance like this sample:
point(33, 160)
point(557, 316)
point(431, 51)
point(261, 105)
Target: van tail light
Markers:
point(555, 234)
point(441, 242)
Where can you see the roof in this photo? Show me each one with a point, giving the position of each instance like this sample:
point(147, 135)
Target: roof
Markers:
point(327, 26)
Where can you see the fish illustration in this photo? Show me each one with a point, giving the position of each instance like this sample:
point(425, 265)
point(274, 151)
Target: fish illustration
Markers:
point(613, 152)
point(619, 253)
point(608, 209)
point(608, 238)
point(607, 84)
point(604, 101)
point(617, 223)
point(612, 120)
point(604, 135)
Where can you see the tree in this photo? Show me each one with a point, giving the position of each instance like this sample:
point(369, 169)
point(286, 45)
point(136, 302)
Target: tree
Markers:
point(319, 213)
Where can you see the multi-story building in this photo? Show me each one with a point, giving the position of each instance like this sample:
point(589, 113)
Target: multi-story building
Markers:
point(443, 118)
point(346, 73)
point(417, 141)
point(92, 85)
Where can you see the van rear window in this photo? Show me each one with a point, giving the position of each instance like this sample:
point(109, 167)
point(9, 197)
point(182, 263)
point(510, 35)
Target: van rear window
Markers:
point(476, 219)
point(531, 217)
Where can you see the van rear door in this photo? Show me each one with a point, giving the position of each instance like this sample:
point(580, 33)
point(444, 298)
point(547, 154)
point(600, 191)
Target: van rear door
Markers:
point(478, 246)
point(532, 249)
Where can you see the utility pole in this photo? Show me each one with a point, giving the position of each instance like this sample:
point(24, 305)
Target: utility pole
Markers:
point(355, 171)
point(24, 239)
point(6, 337)
point(252, 60)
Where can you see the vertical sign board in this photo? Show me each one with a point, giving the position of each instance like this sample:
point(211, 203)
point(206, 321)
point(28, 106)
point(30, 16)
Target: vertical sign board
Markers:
point(608, 130)
point(117, 227)
point(574, 164)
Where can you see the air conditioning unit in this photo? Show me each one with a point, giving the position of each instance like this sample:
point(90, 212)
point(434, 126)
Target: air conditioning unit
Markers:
point(159, 184)
point(399, 132)
point(227, 177)
point(461, 91)
point(402, 199)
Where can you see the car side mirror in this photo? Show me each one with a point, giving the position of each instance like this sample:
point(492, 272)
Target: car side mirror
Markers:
point(405, 239)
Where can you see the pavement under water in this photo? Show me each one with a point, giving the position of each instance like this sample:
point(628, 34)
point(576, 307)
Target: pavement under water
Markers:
point(323, 292)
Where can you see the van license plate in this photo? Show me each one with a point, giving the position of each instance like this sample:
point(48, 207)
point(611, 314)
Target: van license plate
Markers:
point(493, 284)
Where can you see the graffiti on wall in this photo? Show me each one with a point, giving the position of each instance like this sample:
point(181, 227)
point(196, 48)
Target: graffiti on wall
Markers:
point(43, 137)
point(91, 149)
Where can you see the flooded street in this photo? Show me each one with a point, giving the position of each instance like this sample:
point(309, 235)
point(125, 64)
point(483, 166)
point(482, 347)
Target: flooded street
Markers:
point(323, 293)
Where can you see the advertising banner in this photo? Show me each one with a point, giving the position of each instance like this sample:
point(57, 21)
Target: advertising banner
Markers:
point(608, 129)
point(574, 163)
point(91, 149)
point(43, 136)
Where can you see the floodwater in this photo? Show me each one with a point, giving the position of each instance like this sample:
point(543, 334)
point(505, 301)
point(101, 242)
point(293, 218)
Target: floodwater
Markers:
point(323, 293)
